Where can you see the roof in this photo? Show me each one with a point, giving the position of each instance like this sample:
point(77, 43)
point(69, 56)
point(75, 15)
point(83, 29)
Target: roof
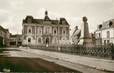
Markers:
point(3, 29)
point(106, 25)
point(30, 19)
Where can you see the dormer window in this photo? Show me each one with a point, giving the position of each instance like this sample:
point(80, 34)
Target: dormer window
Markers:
point(29, 20)
point(110, 23)
point(100, 26)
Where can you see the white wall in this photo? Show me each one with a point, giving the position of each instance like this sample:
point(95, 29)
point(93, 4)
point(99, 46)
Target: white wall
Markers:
point(104, 35)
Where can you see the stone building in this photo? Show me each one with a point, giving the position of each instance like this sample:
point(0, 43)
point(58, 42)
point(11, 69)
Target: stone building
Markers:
point(4, 37)
point(41, 32)
point(105, 33)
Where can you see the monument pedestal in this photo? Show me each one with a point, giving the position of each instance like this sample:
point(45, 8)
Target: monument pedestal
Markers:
point(86, 42)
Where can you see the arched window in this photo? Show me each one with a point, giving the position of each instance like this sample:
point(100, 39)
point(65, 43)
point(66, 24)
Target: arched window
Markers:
point(29, 40)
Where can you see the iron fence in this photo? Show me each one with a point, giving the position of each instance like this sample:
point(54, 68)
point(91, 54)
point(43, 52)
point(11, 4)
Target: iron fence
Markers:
point(106, 52)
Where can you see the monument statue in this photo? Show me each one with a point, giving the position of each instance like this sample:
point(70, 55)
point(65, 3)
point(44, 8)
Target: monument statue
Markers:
point(85, 38)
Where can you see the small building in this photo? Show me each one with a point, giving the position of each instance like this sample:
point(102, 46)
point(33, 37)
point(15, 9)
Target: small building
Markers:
point(41, 32)
point(15, 40)
point(105, 33)
point(4, 37)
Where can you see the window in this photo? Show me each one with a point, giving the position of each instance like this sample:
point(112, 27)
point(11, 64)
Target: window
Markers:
point(110, 23)
point(104, 42)
point(108, 41)
point(99, 35)
point(100, 26)
point(54, 31)
point(55, 40)
point(29, 30)
point(64, 32)
point(47, 30)
point(108, 34)
point(39, 40)
point(29, 40)
point(47, 40)
point(29, 20)
point(19, 38)
point(39, 31)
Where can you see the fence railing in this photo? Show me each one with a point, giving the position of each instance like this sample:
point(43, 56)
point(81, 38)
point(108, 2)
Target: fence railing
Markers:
point(106, 52)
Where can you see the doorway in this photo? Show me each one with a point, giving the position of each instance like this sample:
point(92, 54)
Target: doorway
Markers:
point(47, 40)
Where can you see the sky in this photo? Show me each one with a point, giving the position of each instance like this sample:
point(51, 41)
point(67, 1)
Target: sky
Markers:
point(12, 12)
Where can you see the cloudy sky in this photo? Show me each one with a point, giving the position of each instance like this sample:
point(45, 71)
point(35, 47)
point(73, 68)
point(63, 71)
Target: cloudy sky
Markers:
point(12, 12)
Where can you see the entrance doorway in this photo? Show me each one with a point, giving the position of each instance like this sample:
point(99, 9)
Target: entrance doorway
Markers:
point(47, 40)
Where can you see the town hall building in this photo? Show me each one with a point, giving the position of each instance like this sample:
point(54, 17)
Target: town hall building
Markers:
point(42, 32)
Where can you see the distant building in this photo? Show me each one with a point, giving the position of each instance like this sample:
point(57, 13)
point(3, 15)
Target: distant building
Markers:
point(105, 33)
point(4, 37)
point(15, 40)
point(41, 32)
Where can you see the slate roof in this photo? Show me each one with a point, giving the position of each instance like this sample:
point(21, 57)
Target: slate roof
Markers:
point(30, 19)
point(106, 25)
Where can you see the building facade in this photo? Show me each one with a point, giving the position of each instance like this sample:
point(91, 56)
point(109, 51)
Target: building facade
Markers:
point(41, 32)
point(105, 33)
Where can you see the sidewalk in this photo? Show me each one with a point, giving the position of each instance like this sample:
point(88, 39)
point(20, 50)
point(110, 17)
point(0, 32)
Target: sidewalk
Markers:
point(101, 64)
